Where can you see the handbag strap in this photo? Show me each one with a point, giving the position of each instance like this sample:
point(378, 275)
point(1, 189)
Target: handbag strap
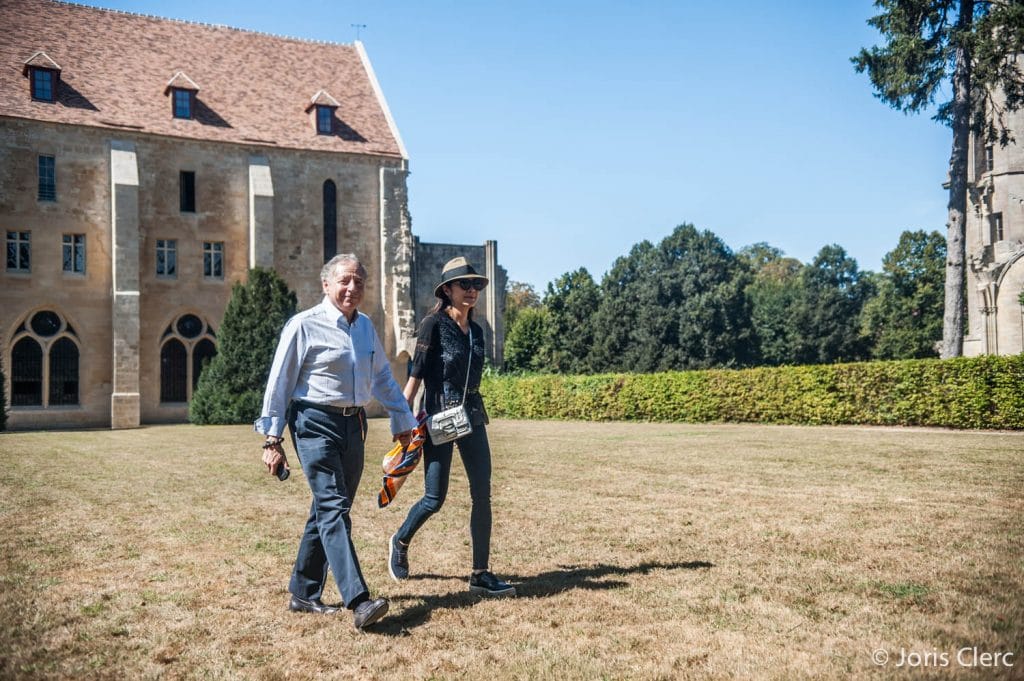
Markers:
point(469, 365)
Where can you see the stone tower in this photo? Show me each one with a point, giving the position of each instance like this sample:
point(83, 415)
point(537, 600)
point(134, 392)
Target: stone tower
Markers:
point(995, 243)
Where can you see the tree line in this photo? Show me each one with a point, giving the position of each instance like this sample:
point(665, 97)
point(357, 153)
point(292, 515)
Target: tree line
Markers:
point(690, 302)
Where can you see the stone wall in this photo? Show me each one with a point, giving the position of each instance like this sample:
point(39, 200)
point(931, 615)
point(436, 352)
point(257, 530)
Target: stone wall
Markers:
point(84, 301)
point(428, 262)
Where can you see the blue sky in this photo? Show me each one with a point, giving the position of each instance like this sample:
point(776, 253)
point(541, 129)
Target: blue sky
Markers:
point(570, 130)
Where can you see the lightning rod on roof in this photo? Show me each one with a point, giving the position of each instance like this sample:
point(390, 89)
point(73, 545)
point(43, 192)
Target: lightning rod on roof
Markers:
point(357, 27)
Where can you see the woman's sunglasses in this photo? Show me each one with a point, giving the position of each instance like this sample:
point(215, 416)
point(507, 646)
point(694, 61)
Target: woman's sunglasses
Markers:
point(466, 284)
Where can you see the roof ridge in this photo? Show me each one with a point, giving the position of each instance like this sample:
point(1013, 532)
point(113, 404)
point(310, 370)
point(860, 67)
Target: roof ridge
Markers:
point(203, 23)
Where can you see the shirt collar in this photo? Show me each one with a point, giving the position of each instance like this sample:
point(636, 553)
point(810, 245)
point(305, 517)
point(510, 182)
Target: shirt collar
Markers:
point(334, 314)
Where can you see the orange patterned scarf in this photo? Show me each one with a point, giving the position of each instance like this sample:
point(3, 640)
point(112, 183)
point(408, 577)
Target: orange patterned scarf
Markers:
point(399, 462)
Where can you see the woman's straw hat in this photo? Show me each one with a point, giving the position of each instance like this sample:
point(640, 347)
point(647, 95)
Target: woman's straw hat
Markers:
point(454, 269)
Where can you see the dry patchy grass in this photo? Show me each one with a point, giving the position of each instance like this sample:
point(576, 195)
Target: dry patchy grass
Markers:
point(640, 551)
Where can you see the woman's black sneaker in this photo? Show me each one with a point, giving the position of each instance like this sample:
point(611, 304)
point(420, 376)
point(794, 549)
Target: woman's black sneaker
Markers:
point(486, 584)
point(398, 559)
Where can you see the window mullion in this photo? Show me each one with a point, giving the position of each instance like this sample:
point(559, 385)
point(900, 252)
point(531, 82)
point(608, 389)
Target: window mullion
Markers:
point(45, 387)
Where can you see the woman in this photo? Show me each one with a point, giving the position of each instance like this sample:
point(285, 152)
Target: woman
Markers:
point(449, 344)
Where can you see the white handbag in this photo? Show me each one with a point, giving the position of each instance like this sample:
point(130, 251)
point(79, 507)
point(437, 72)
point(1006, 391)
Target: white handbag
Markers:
point(453, 423)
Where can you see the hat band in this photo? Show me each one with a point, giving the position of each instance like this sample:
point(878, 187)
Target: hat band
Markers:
point(457, 272)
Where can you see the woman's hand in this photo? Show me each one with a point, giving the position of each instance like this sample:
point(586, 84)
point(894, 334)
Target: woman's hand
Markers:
point(412, 386)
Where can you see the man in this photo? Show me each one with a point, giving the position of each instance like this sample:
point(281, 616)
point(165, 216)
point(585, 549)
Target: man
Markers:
point(328, 363)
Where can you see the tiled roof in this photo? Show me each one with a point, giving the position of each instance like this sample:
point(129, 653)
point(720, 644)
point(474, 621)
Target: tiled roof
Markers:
point(256, 87)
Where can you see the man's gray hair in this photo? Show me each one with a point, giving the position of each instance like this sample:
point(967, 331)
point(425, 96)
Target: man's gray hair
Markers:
point(333, 263)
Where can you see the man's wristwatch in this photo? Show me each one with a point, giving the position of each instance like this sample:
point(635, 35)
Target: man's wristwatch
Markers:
point(272, 442)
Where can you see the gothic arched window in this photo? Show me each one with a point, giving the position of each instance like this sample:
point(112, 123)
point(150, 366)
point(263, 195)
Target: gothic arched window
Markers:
point(187, 343)
point(63, 372)
point(44, 362)
point(27, 373)
point(330, 220)
point(173, 371)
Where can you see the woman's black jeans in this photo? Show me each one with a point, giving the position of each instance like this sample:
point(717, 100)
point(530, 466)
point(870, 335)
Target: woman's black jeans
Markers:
point(437, 460)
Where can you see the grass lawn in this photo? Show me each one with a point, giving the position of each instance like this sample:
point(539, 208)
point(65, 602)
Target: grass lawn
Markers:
point(653, 551)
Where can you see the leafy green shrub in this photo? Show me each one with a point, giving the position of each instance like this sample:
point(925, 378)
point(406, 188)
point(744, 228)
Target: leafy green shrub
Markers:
point(231, 387)
point(978, 392)
point(525, 340)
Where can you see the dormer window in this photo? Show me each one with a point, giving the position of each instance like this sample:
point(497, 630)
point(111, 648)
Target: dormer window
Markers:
point(43, 75)
point(182, 103)
point(324, 120)
point(43, 84)
point(182, 90)
point(323, 107)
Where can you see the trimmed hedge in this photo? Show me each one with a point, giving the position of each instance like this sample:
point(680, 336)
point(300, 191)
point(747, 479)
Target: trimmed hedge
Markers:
point(976, 392)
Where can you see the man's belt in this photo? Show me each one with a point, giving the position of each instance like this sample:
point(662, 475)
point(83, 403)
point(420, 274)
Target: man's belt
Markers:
point(343, 411)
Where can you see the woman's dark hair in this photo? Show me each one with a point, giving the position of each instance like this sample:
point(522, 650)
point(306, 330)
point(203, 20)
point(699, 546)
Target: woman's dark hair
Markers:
point(444, 301)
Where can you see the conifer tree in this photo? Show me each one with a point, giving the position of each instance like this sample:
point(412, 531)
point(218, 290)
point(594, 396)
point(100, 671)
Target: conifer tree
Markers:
point(969, 48)
point(570, 301)
point(231, 387)
point(618, 315)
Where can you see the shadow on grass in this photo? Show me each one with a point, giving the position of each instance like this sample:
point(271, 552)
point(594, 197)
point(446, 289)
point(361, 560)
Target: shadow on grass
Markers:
point(542, 585)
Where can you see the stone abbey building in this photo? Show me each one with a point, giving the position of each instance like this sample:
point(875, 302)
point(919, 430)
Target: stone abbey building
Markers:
point(146, 164)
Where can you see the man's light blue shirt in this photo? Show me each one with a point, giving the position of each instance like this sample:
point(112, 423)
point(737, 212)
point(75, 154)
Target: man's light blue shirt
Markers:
point(322, 358)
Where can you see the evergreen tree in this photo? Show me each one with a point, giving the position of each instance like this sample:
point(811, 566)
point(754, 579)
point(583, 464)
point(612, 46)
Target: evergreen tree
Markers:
point(904, 320)
point(231, 387)
point(702, 286)
point(680, 305)
point(571, 301)
point(958, 46)
point(616, 347)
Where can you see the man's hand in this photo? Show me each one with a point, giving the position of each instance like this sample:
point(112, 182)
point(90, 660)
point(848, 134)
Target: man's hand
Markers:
point(405, 437)
point(273, 456)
